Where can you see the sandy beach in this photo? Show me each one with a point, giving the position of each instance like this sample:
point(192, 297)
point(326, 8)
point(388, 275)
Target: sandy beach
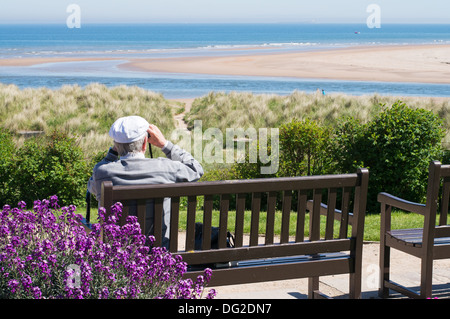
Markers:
point(35, 61)
point(421, 64)
point(396, 63)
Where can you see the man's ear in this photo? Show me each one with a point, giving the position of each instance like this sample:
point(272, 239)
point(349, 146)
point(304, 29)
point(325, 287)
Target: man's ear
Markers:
point(144, 145)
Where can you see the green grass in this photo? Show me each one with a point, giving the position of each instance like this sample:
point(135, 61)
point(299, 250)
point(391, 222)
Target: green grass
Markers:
point(371, 228)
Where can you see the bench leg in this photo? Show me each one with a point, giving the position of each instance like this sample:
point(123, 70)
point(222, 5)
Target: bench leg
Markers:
point(426, 281)
point(355, 286)
point(313, 285)
point(385, 256)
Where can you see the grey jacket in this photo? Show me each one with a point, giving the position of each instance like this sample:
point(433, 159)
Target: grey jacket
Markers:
point(179, 166)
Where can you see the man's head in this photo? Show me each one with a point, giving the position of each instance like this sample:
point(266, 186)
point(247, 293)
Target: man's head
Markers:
point(129, 134)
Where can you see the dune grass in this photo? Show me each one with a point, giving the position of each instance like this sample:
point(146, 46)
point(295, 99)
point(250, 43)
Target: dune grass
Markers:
point(86, 113)
point(243, 110)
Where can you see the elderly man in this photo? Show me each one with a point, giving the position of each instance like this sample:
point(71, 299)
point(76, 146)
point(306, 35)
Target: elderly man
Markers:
point(131, 135)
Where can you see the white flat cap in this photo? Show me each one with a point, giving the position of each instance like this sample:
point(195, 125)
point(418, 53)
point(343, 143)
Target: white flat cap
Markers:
point(129, 129)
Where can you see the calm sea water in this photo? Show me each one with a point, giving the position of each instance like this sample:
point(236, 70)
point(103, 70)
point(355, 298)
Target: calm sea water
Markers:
point(179, 40)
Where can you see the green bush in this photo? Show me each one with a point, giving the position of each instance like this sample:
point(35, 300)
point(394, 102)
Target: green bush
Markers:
point(396, 146)
point(52, 164)
point(303, 148)
point(7, 151)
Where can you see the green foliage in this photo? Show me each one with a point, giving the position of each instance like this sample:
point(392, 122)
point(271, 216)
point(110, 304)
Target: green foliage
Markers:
point(52, 164)
point(7, 151)
point(396, 146)
point(303, 148)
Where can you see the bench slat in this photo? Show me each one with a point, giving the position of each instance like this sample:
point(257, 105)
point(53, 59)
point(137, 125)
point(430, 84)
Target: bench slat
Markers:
point(158, 219)
point(314, 221)
point(239, 226)
point(174, 223)
point(207, 221)
point(254, 226)
point(190, 223)
point(264, 252)
point(270, 222)
point(301, 214)
point(270, 272)
point(285, 216)
point(343, 229)
point(223, 220)
point(260, 185)
point(331, 206)
point(125, 213)
point(141, 212)
point(445, 201)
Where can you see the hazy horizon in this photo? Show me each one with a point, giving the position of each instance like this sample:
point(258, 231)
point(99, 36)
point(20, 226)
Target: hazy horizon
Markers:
point(231, 11)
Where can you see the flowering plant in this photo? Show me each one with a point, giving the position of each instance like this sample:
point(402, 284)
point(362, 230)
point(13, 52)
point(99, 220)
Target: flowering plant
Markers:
point(47, 253)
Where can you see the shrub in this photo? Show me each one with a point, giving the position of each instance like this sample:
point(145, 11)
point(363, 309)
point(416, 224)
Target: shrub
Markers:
point(303, 151)
point(303, 148)
point(7, 151)
point(52, 164)
point(396, 146)
point(46, 253)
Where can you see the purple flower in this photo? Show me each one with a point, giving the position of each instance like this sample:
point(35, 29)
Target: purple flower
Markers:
point(37, 294)
point(46, 253)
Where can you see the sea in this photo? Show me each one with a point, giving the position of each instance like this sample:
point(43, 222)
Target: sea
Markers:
point(127, 41)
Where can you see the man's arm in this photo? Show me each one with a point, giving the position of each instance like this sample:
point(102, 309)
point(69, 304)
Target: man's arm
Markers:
point(93, 186)
point(191, 170)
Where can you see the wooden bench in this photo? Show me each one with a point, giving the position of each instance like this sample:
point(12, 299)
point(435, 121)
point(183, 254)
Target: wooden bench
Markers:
point(428, 243)
point(290, 257)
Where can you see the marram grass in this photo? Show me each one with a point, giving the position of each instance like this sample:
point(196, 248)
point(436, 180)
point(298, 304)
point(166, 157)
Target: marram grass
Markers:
point(243, 110)
point(86, 113)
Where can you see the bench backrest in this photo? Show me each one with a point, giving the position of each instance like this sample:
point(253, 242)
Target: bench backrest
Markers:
point(438, 198)
point(307, 193)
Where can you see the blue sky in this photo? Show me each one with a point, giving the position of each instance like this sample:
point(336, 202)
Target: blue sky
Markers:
point(225, 11)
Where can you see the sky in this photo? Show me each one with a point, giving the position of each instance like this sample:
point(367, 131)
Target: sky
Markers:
point(225, 11)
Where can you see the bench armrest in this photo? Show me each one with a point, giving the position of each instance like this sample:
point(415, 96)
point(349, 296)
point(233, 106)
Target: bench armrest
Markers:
point(391, 200)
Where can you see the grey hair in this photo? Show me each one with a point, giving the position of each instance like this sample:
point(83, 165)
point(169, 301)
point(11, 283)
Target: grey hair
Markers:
point(129, 148)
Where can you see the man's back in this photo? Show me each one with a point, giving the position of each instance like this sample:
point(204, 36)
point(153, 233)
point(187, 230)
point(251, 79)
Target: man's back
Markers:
point(133, 168)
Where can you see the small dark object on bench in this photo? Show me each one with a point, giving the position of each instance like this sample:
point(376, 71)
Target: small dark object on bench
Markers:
point(214, 237)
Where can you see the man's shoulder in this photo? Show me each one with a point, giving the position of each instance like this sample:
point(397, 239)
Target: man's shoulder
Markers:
point(135, 163)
